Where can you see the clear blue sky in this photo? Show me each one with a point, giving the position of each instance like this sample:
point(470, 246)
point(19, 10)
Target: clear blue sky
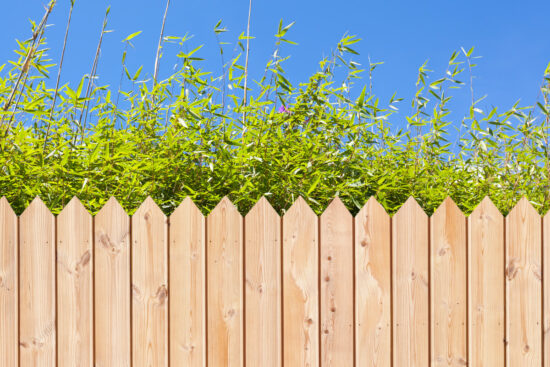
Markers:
point(511, 36)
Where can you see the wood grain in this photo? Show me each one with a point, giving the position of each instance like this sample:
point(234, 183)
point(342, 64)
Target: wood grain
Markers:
point(546, 290)
point(112, 286)
point(9, 308)
point(149, 286)
point(373, 286)
point(370, 291)
point(263, 287)
point(37, 286)
point(187, 286)
point(523, 286)
point(448, 284)
point(337, 285)
point(411, 285)
point(300, 286)
point(225, 286)
point(75, 286)
point(486, 286)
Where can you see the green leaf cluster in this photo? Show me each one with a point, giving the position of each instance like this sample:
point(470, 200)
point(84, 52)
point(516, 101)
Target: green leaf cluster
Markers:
point(185, 136)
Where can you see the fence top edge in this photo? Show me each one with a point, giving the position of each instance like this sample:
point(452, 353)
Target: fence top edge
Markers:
point(262, 204)
point(36, 206)
point(486, 202)
point(5, 205)
point(447, 204)
point(336, 204)
point(149, 204)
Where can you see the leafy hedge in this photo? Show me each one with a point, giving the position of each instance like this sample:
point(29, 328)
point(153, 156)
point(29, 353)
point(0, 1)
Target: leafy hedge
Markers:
point(194, 134)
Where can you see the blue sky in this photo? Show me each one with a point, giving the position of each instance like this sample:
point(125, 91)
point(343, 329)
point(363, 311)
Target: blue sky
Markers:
point(511, 36)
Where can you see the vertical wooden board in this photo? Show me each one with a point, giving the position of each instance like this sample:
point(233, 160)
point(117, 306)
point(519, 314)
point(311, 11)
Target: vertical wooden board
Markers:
point(224, 276)
point(486, 286)
point(74, 286)
point(112, 286)
point(149, 286)
point(300, 286)
point(9, 329)
point(373, 286)
point(448, 284)
point(37, 339)
point(546, 290)
point(411, 286)
point(523, 287)
point(263, 286)
point(336, 243)
point(187, 286)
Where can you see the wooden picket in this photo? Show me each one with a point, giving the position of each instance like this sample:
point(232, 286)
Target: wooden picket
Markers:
point(546, 290)
point(187, 284)
point(373, 286)
point(263, 322)
point(523, 286)
point(149, 286)
point(112, 323)
point(410, 286)
point(300, 286)
point(448, 286)
point(74, 286)
point(336, 286)
point(9, 318)
point(486, 286)
point(37, 300)
point(301, 290)
point(224, 286)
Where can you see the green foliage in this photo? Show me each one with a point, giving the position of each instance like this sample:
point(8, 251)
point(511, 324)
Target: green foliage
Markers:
point(185, 136)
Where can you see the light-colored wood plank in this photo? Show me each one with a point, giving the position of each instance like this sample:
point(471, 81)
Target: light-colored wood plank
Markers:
point(74, 286)
point(9, 328)
point(486, 286)
point(224, 258)
point(149, 286)
point(112, 286)
point(187, 286)
point(37, 286)
point(300, 286)
point(523, 286)
point(411, 286)
point(336, 285)
point(263, 286)
point(546, 290)
point(449, 299)
point(373, 286)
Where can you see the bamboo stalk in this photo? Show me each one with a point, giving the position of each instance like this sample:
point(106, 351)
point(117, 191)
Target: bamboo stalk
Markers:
point(58, 75)
point(28, 59)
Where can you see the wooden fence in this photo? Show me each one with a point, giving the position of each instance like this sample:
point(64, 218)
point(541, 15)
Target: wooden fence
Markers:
point(300, 290)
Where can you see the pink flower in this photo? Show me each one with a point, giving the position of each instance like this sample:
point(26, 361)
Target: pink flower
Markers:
point(283, 109)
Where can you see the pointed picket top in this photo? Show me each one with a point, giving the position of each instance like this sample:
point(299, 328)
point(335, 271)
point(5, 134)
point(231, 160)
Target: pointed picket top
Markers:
point(449, 207)
point(262, 206)
point(224, 205)
point(36, 206)
point(112, 205)
point(371, 205)
point(149, 206)
point(336, 206)
point(301, 206)
point(74, 206)
point(186, 206)
point(486, 207)
point(410, 206)
point(5, 206)
point(523, 208)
